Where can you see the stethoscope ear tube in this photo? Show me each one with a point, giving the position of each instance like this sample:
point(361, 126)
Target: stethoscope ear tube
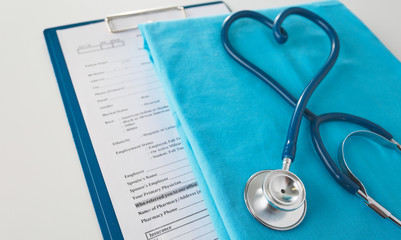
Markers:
point(388, 143)
point(342, 178)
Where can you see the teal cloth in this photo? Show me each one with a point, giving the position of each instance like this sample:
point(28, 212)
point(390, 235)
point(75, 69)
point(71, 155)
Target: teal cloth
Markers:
point(233, 124)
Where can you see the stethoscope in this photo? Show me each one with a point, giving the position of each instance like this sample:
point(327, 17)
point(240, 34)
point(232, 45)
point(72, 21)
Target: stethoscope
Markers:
point(277, 198)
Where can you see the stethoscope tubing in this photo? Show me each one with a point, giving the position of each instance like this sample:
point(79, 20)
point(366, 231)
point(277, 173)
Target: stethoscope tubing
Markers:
point(281, 37)
point(328, 162)
point(300, 105)
point(284, 93)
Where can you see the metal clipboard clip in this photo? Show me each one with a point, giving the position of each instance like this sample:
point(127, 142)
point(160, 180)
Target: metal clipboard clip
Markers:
point(130, 20)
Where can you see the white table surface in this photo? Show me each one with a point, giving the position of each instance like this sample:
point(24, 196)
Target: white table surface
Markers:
point(43, 193)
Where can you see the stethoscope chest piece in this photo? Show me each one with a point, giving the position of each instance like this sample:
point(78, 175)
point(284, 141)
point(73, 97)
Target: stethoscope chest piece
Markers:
point(276, 198)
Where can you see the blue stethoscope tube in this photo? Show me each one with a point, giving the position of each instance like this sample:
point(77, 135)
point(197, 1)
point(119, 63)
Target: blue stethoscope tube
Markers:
point(300, 104)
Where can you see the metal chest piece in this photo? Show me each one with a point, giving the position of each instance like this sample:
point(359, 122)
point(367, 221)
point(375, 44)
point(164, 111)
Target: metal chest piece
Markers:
point(276, 198)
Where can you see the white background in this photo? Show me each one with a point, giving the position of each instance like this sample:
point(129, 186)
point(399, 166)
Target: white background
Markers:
point(43, 193)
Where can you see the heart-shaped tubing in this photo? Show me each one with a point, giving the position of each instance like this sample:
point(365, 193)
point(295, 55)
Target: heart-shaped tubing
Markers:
point(293, 130)
point(252, 67)
point(281, 36)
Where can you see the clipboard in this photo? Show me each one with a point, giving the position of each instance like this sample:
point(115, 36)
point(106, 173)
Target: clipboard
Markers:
point(101, 200)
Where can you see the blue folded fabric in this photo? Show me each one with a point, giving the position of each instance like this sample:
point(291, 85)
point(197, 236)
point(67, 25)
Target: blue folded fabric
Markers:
point(233, 124)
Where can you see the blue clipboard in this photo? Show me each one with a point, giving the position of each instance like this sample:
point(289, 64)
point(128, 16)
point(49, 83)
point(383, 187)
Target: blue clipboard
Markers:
point(94, 179)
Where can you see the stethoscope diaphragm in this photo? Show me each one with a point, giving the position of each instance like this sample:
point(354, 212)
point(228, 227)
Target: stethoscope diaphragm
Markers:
point(276, 198)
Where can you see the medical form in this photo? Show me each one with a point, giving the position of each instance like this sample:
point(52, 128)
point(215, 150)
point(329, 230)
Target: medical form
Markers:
point(150, 182)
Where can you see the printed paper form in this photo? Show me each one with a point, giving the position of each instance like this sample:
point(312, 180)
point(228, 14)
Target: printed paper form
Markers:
point(151, 185)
